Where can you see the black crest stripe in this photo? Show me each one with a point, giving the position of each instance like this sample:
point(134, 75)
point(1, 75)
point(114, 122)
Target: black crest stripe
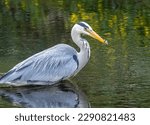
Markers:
point(83, 25)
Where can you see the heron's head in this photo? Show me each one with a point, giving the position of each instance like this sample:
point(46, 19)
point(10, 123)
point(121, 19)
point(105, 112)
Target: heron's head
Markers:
point(84, 28)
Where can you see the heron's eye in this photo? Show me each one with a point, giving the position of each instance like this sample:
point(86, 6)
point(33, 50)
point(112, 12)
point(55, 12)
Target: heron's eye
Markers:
point(85, 28)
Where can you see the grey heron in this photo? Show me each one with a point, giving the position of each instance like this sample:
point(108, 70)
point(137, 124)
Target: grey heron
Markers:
point(54, 64)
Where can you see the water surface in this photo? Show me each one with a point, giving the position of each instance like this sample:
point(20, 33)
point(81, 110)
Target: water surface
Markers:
point(117, 75)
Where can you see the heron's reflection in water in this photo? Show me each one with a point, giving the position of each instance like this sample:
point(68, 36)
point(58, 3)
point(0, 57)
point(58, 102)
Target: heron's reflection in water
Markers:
point(64, 95)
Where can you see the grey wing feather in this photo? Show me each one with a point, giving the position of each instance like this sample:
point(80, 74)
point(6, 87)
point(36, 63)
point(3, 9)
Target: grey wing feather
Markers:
point(51, 65)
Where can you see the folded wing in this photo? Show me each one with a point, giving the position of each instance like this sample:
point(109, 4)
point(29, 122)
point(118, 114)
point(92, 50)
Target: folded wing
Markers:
point(51, 65)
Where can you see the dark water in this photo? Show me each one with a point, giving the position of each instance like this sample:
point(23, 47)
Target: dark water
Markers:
point(117, 75)
point(63, 95)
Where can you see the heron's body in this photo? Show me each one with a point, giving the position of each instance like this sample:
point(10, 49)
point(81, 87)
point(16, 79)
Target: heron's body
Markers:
point(57, 63)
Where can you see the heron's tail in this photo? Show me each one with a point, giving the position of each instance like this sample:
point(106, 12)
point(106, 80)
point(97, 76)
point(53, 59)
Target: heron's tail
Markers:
point(8, 77)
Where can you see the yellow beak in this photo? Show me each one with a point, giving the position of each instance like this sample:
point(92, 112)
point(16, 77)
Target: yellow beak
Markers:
point(96, 36)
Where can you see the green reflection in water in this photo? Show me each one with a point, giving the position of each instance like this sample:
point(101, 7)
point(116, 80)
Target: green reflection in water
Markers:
point(117, 75)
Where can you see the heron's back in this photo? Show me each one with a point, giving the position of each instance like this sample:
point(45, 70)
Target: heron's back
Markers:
point(49, 66)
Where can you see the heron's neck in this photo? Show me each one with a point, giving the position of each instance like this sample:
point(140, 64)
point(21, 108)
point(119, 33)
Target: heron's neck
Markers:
point(79, 41)
point(76, 37)
point(84, 54)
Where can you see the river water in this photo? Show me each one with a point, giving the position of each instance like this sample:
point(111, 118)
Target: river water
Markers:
point(117, 75)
